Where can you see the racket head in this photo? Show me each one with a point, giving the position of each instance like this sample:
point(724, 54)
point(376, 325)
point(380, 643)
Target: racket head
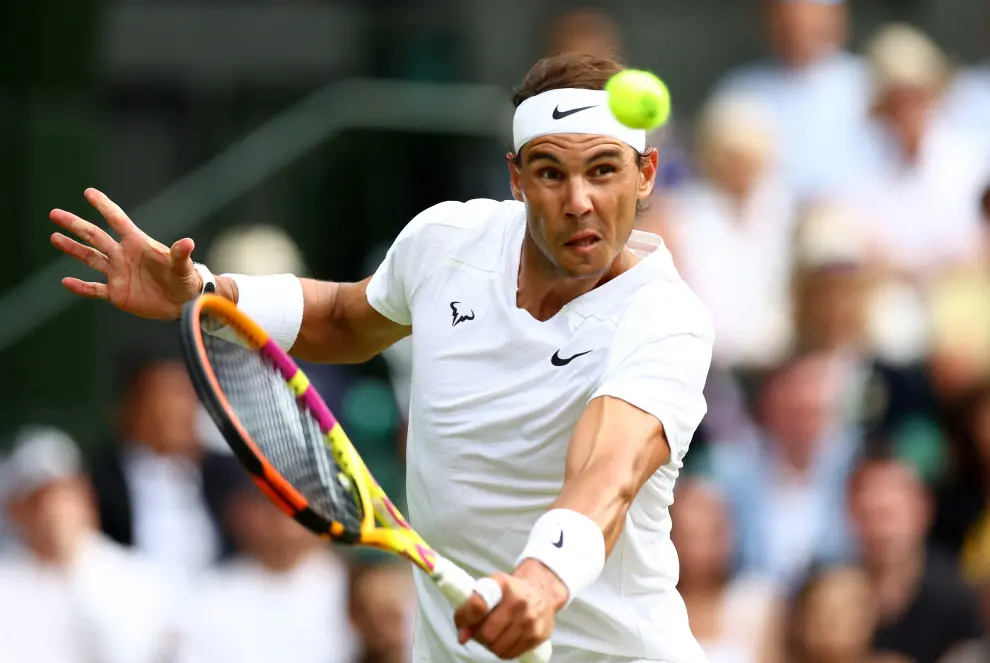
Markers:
point(285, 436)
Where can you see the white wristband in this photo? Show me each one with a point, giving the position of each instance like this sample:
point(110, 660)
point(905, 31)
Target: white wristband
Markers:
point(571, 545)
point(274, 302)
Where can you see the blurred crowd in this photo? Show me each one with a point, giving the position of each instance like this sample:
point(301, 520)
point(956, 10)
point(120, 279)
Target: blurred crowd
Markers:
point(830, 207)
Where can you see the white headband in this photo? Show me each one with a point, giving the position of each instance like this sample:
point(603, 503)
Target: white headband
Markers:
point(571, 111)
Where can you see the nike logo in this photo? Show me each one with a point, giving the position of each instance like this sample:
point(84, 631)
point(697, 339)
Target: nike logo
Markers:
point(560, 115)
point(559, 543)
point(458, 318)
point(556, 359)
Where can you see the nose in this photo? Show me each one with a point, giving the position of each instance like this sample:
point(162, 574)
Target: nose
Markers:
point(578, 200)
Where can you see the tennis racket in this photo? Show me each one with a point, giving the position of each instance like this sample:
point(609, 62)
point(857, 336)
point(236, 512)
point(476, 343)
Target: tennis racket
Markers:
point(297, 452)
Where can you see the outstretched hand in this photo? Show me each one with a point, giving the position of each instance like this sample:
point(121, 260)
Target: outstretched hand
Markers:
point(143, 276)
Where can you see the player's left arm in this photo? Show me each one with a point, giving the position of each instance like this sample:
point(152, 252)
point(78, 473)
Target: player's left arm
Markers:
point(644, 413)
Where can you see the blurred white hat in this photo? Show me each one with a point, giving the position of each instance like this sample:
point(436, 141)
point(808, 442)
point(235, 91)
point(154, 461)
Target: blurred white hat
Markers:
point(255, 250)
point(736, 122)
point(41, 455)
point(900, 55)
point(831, 234)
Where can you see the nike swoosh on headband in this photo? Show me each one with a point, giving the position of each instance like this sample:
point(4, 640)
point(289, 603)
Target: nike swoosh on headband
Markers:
point(560, 115)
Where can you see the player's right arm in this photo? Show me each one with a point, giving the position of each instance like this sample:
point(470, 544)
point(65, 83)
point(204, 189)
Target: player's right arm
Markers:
point(150, 280)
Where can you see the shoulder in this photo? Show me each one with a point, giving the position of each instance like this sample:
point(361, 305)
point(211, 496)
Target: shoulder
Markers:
point(667, 307)
point(455, 218)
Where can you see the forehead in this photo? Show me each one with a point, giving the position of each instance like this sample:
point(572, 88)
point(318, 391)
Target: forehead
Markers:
point(571, 148)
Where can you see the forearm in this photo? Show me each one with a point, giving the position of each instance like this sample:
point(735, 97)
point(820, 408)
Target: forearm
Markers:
point(603, 492)
point(329, 333)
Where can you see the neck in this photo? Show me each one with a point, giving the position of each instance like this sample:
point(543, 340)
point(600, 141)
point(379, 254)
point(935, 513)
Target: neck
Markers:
point(895, 583)
point(543, 290)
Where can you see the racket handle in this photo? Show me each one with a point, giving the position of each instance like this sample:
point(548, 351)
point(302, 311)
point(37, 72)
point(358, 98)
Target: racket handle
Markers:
point(458, 586)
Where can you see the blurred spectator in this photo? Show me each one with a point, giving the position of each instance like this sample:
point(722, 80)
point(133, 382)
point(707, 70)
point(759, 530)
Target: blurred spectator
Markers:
point(70, 594)
point(978, 649)
point(815, 90)
point(153, 487)
point(923, 607)
point(736, 618)
point(872, 338)
point(786, 487)
point(964, 505)
point(923, 177)
point(283, 598)
point(967, 102)
point(832, 619)
point(382, 609)
point(733, 234)
point(585, 31)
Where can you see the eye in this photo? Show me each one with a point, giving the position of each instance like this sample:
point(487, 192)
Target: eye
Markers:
point(550, 174)
point(603, 170)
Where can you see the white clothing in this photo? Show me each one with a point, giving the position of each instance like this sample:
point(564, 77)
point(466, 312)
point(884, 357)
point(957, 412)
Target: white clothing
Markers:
point(495, 396)
point(243, 613)
point(109, 606)
point(819, 114)
point(747, 612)
point(925, 215)
point(748, 299)
point(171, 523)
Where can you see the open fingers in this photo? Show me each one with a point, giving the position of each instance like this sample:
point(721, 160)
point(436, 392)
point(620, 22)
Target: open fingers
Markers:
point(84, 254)
point(84, 230)
point(86, 288)
point(115, 216)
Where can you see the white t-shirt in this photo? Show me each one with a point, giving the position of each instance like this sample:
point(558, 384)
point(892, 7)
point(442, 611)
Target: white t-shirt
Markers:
point(495, 396)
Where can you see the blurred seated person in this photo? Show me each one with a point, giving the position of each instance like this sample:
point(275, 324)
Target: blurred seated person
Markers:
point(963, 522)
point(924, 177)
point(967, 101)
point(815, 90)
point(736, 618)
point(976, 650)
point(383, 609)
point(785, 486)
point(732, 229)
point(283, 597)
point(153, 486)
point(67, 593)
point(923, 607)
point(832, 619)
point(871, 331)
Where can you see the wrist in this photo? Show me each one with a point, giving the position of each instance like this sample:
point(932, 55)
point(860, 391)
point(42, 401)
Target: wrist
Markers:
point(570, 545)
point(539, 574)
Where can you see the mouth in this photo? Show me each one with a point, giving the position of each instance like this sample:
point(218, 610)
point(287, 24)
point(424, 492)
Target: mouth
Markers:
point(583, 241)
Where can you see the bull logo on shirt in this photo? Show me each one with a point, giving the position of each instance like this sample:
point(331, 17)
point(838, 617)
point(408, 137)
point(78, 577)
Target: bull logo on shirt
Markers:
point(458, 318)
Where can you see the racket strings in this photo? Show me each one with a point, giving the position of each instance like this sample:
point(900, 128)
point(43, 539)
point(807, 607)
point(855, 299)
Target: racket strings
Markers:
point(284, 431)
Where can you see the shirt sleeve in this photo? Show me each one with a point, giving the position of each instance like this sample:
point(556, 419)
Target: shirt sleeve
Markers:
point(660, 359)
point(413, 257)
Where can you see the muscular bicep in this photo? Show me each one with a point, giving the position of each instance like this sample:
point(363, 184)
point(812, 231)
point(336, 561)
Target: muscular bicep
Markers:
point(612, 432)
point(340, 325)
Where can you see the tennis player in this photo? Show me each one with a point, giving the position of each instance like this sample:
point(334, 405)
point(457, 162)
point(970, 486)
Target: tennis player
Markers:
point(558, 368)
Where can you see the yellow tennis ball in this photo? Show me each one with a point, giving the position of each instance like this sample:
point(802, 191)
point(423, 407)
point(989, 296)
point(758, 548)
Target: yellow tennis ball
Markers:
point(638, 99)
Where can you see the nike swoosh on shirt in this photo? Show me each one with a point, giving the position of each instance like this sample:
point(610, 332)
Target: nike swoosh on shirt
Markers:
point(557, 360)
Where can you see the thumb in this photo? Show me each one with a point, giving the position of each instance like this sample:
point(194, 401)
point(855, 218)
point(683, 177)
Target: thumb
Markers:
point(180, 254)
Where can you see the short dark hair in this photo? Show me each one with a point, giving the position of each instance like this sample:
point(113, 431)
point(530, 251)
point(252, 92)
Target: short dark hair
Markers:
point(568, 70)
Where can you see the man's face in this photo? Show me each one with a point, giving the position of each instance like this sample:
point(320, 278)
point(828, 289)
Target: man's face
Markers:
point(890, 513)
point(802, 31)
point(581, 193)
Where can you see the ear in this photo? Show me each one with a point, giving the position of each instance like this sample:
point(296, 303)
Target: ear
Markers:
point(514, 179)
point(648, 172)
